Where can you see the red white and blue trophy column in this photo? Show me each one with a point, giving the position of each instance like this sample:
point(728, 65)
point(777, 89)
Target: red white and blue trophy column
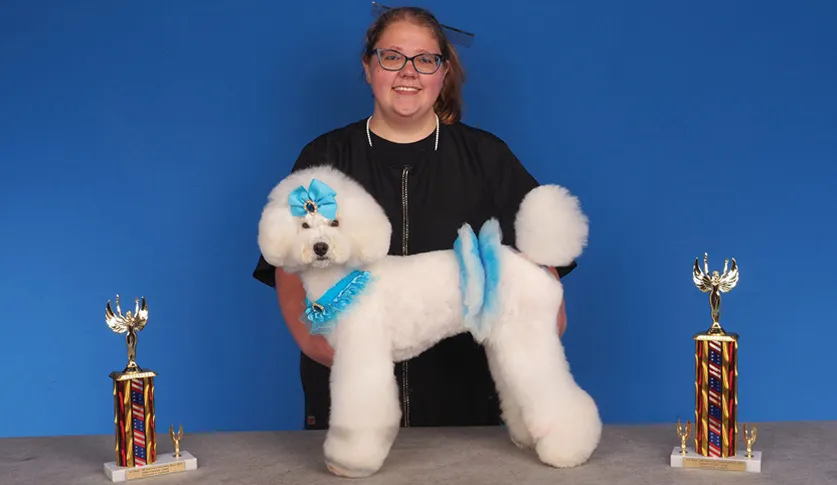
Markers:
point(133, 395)
point(716, 434)
point(716, 402)
point(134, 413)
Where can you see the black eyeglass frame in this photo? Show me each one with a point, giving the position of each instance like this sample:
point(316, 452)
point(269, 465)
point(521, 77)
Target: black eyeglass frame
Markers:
point(440, 59)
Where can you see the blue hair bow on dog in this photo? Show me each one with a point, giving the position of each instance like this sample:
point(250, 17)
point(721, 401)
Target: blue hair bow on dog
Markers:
point(317, 198)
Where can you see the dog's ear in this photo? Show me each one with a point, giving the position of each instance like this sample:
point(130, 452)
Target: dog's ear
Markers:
point(277, 228)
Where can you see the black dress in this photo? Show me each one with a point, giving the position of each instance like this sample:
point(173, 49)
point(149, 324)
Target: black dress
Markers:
point(427, 195)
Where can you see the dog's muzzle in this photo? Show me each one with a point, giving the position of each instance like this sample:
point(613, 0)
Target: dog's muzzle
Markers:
point(320, 249)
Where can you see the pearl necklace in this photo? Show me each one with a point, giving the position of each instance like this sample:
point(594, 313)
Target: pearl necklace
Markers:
point(369, 134)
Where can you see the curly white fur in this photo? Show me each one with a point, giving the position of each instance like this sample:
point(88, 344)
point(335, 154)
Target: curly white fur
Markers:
point(508, 303)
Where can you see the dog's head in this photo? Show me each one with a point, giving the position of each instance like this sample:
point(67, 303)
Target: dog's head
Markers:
point(319, 217)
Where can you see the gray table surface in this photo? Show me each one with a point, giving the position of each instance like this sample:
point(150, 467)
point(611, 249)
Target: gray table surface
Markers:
point(793, 454)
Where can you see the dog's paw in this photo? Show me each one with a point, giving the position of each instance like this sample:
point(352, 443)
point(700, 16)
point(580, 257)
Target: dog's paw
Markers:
point(345, 472)
point(357, 453)
point(574, 436)
point(562, 452)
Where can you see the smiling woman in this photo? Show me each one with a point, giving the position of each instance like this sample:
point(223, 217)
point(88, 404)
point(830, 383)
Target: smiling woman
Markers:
point(414, 73)
point(431, 173)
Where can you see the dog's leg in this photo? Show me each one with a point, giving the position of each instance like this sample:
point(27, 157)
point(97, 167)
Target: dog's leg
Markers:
point(512, 412)
point(562, 419)
point(365, 413)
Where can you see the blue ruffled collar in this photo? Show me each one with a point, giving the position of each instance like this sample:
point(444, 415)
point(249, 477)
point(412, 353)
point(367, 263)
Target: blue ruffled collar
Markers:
point(320, 315)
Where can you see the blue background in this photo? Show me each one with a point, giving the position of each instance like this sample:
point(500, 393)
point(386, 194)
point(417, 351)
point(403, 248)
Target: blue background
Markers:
point(138, 141)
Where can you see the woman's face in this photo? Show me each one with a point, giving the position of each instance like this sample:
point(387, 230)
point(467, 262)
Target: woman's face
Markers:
point(405, 93)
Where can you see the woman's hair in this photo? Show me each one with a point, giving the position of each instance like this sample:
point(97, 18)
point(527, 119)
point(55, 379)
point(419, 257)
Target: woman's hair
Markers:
point(449, 104)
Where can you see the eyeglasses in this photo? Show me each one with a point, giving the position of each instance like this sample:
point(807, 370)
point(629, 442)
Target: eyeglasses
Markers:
point(392, 60)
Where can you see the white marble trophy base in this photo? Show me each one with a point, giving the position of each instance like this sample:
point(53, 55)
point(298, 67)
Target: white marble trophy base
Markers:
point(740, 462)
point(166, 464)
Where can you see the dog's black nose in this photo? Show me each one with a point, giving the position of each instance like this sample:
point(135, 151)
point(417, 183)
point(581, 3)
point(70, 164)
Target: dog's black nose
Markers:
point(320, 248)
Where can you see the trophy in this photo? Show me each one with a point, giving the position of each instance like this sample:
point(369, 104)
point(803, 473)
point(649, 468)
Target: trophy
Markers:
point(134, 415)
point(715, 428)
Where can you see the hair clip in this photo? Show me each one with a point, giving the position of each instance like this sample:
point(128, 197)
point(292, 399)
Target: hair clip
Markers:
point(457, 36)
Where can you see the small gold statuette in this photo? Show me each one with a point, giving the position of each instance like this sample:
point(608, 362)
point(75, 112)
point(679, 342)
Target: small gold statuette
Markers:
point(129, 324)
point(134, 416)
point(750, 438)
point(175, 438)
point(716, 385)
point(683, 433)
point(715, 283)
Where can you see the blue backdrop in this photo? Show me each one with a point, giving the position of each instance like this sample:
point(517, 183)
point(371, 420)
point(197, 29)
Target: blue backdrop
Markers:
point(138, 141)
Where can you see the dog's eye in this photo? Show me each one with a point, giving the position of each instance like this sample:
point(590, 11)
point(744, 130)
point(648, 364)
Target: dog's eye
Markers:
point(334, 223)
point(305, 225)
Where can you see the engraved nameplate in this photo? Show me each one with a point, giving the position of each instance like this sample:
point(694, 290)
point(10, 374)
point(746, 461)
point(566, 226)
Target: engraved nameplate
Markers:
point(153, 471)
point(730, 466)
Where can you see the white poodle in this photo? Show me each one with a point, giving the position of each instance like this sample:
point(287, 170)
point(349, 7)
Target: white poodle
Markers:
point(375, 309)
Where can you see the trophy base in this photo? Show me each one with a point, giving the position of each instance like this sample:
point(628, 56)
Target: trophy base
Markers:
point(166, 464)
point(738, 463)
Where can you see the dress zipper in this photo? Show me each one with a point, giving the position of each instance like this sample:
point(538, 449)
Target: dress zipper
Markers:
point(405, 231)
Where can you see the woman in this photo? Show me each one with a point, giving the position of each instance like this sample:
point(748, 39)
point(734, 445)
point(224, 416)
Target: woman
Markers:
point(431, 173)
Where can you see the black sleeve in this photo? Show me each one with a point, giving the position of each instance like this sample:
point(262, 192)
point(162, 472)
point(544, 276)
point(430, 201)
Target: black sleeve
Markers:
point(510, 182)
point(311, 155)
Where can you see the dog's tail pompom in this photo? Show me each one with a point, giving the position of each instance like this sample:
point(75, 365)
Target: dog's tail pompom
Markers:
point(550, 227)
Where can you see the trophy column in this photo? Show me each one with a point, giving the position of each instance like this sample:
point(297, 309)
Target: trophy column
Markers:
point(716, 400)
point(133, 399)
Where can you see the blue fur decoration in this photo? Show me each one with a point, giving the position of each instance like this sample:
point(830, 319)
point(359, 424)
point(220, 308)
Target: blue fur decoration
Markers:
point(479, 272)
point(320, 315)
point(472, 279)
point(490, 245)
